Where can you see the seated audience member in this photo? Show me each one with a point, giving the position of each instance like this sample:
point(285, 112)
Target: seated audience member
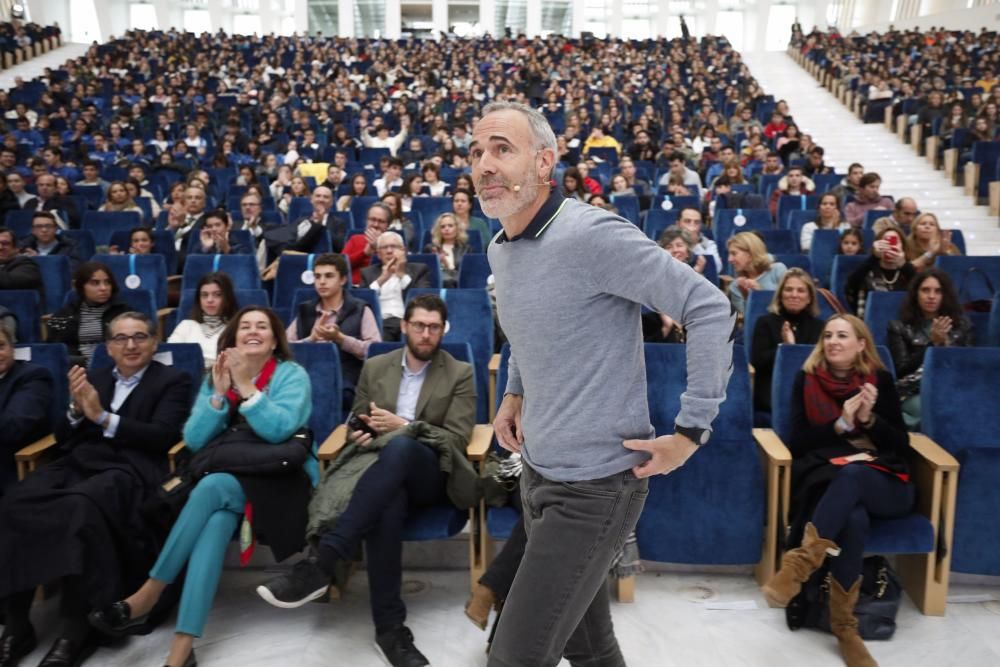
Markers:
point(360, 248)
point(866, 199)
point(791, 319)
point(392, 279)
point(413, 187)
point(931, 315)
point(140, 242)
point(827, 217)
point(392, 177)
point(118, 199)
point(904, 211)
point(417, 458)
point(658, 327)
point(753, 267)
point(620, 186)
point(450, 243)
point(677, 242)
point(461, 206)
point(16, 271)
point(297, 187)
point(213, 308)
point(927, 241)
point(590, 184)
point(335, 316)
point(15, 186)
point(303, 234)
point(885, 271)
point(399, 223)
point(679, 168)
point(256, 387)
point(250, 210)
point(77, 520)
point(852, 242)
point(641, 186)
point(815, 165)
point(48, 199)
point(45, 240)
point(358, 188)
point(82, 324)
point(214, 236)
point(378, 136)
point(433, 186)
point(850, 185)
point(849, 449)
point(192, 217)
point(26, 391)
point(795, 182)
point(572, 185)
point(689, 220)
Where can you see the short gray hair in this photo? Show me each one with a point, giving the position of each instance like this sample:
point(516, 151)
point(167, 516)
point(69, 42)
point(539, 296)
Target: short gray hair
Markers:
point(387, 235)
point(541, 131)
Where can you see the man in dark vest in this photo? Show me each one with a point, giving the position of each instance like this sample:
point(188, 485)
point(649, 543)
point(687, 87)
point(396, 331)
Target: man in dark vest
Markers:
point(336, 317)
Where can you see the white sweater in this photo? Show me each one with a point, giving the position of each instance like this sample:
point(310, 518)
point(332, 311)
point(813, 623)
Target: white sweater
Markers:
point(189, 331)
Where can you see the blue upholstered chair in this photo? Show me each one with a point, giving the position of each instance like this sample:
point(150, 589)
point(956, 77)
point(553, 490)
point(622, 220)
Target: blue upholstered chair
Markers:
point(788, 203)
point(163, 245)
point(442, 521)
point(975, 278)
point(824, 248)
point(241, 268)
point(103, 223)
point(843, 267)
point(921, 541)
point(84, 241)
point(151, 269)
point(433, 263)
point(54, 357)
point(430, 208)
point(797, 219)
point(470, 320)
point(26, 305)
point(628, 207)
point(795, 261)
point(880, 309)
point(725, 223)
point(289, 277)
point(322, 362)
point(474, 271)
point(958, 409)
point(721, 488)
point(56, 276)
point(993, 335)
point(780, 241)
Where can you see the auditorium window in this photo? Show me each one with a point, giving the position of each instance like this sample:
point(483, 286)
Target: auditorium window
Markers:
point(636, 19)
point(369, 18)
point(324, 17)
point(511, 16)
point(779, 26)
point(142, 16)
point(83, 22)
point(557, 17)
point(246, 24)
point(197, 21)
point(463, 19)
point(730, 25)
point(416, 20)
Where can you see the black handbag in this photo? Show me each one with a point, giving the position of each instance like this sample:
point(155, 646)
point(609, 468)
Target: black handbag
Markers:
point(878, 601)
point(240, 451)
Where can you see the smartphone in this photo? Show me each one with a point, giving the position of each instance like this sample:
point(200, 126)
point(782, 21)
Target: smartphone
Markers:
point(355, 423)
point(893, 240)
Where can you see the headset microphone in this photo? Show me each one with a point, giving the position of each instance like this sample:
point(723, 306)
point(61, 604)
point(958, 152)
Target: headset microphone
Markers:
point(550, 183)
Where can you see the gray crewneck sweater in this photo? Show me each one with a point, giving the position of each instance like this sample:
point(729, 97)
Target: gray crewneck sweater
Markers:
point(569, 292)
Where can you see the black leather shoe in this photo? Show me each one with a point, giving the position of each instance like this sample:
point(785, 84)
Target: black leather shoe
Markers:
point(15, 647)
point(117, 621)
point(190, 662)
point(68, 653)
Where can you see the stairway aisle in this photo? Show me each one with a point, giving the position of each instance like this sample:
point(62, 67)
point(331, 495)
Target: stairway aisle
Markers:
point(846, 140)
point(30, 69)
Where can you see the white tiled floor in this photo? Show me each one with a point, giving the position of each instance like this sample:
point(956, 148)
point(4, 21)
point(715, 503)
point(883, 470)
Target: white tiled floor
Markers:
point(846, 139)
point(664, 628)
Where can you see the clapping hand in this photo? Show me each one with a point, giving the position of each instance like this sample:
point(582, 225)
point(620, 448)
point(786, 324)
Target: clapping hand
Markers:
point(940, 328)
point(84, 395)
point(849, 412)
point(868, 395)
point(787, 334)
point(221, 379)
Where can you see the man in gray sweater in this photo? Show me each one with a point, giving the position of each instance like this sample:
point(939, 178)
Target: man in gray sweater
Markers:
point(570, 282)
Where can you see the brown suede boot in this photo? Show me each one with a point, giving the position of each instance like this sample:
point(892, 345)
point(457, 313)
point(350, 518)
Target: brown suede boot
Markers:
point(479, 605)
point(796, 567)
point(844, 625)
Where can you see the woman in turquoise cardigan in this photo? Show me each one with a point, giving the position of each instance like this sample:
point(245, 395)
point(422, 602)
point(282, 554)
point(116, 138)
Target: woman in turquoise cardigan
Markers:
point(253, 380)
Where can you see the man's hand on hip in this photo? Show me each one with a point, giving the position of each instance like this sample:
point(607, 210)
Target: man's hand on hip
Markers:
point(507, 423)
point(667, 453)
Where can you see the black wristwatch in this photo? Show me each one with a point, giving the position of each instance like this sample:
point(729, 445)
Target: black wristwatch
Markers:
point(698, 436)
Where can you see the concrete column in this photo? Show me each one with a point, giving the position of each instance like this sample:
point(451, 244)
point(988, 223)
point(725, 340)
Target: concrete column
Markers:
point(345, 17)
point(613, 17)
point(579, 17)
point(439, 15)
point(533, 21)
point(393, 19)
point(487, 16)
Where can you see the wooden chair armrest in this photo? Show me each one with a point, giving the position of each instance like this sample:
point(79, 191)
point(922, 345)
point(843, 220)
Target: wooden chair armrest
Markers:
point(494, 365)
point(172, 454)
point(772, 446)
point(331, 447)
point(175, 278)
point(27, 458)
point(931, 452)
point(164, 312)
point(479, 444)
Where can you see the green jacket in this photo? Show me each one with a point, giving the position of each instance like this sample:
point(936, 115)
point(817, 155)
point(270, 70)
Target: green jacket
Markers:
point(445, 416)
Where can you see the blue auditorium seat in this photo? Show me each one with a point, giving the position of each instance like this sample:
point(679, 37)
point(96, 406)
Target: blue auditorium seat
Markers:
point(242, 269)
point(163, 245)
point(322, 362)
point(824, 248)
point(880, 309)
point(151, 269)
point(725, 223)
point(474, 271)
point(788, 203)
point(26, 305)
point(843, 267)
point(657, 220)
point(102, 224)
point(186, 357)
point(56, 279)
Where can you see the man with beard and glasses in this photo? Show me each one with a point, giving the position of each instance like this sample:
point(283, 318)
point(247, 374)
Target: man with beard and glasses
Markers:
point(418, 407)
point(575, 402)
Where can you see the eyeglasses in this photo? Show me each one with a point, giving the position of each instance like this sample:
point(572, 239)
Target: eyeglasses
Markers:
point(420, 327)
point(138, 339)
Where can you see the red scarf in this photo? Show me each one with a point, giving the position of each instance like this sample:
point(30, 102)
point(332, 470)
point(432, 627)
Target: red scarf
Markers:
point(825, 394)
point(247, 539)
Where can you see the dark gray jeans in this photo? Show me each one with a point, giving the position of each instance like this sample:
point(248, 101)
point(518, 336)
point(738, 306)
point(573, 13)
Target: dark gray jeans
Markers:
point(559, 602)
